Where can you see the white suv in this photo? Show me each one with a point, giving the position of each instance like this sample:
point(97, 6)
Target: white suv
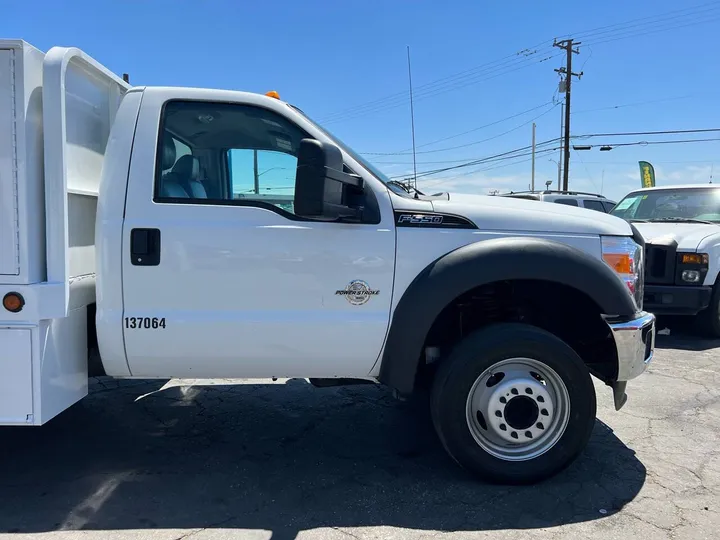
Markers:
point(592, 201)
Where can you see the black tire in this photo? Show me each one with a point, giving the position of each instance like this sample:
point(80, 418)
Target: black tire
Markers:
point(708, 320)
point(470, 358)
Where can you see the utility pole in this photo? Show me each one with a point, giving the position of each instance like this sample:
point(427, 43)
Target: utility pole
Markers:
point(560, 157)
point(532, 188)
point(567, 45)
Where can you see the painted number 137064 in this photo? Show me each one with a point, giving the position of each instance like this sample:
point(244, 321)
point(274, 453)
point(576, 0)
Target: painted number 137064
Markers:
point(145, 322)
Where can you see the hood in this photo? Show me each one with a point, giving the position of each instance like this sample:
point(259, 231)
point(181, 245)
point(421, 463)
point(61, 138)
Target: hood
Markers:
point(490, 212)
point(687, 235)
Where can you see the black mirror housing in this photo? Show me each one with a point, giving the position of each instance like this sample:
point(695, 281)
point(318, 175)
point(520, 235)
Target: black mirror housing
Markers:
point(322, 188)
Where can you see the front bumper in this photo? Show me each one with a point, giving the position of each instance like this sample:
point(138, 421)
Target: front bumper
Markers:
point(676, 299)
point(635, 346)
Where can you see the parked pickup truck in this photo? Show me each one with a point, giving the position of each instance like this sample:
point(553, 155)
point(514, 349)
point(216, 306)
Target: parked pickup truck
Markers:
point(681, 229)
point(200, 233)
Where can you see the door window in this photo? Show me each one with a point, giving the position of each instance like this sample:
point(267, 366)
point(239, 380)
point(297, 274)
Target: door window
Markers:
point(230, 154)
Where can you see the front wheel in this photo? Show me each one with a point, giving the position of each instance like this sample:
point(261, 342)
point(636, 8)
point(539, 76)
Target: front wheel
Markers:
point(513, 404)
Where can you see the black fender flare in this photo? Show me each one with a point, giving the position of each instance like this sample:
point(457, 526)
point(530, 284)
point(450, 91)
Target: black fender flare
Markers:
point(480, 263)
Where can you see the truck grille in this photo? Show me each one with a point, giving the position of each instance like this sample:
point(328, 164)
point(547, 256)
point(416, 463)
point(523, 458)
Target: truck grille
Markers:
point(660, 263)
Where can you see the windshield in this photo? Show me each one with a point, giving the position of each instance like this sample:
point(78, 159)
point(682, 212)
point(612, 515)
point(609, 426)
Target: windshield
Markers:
point(369, 166)
point(689, 204)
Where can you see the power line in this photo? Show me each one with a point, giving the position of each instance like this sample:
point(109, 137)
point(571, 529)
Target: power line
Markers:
point(669, 26)
point(599, 35)
point(437, 181)
point(407, 151)
point(478, 161)
point(610, 146)
point(651, 19)
point(519, 55)
point(631, 133)
point(635, 104)
point(448, 88)
point(473, 143)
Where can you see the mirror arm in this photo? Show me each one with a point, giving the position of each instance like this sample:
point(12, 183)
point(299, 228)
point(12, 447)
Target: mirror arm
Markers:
point(353, 180)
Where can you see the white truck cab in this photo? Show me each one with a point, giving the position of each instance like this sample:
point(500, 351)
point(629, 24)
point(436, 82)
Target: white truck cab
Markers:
point(681, 228)
point(201, 233)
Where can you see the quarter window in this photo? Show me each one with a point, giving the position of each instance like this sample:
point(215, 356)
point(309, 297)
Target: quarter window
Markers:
point(568, 202)
point(593, 205)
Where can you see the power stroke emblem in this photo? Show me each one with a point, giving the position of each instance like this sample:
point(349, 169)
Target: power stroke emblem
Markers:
point(419, 219)
point(357, 292)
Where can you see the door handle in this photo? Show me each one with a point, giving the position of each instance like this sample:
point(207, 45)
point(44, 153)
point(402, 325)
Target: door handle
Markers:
point(145, 247)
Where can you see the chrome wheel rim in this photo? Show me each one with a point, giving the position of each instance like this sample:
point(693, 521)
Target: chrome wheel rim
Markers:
point(518, 409)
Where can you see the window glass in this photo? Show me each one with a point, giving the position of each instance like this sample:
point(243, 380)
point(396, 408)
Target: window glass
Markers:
point(263, 175)
point(569, 202)
point(608, 206)
point(593, 205)
point(237, 153)
point(688, 204)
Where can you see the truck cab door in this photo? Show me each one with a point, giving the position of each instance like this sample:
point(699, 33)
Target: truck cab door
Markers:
point(220, 277)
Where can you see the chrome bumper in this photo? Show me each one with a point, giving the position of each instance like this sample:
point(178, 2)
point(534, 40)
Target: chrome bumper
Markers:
point(635, 346)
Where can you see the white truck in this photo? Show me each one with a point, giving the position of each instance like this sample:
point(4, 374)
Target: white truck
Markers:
point(201, 233)
point(681, 228)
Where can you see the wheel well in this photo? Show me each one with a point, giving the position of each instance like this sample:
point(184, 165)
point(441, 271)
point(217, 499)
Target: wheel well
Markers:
point(559, 309)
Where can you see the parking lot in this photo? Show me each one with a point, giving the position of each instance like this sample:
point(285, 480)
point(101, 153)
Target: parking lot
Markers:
point(151, 459)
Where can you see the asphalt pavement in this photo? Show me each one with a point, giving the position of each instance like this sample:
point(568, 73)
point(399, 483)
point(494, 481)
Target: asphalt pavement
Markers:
point(284, 460)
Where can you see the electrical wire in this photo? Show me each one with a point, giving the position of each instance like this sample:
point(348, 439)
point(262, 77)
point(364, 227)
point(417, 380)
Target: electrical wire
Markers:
point(417, 96)
point(635, 104)
point(524, 53)
point(648, 143)
point(632, 133)
point(586, 169)
point(409, 150)
point(634, 34)
point(439, 181)
point(509, 154)
point(473, 143)
point(651, 19)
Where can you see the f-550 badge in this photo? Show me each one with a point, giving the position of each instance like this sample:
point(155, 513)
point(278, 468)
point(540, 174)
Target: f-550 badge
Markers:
point(357, 292)
point(419, 219)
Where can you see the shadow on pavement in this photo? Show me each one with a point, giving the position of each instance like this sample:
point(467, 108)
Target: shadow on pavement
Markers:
point(283, 458)
point(683, 335)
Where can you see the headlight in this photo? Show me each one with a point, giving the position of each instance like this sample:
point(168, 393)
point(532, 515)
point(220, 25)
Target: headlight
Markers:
point(691, 268)
point(624, 256)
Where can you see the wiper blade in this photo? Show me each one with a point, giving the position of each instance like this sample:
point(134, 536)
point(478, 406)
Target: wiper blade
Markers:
point(402, 186)
point(681, 220)
point(639, 220)
point(407, 188)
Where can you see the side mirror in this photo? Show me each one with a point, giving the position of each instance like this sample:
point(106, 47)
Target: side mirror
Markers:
point(322, 189)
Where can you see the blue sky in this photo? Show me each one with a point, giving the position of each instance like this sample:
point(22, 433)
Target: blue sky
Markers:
point(328, 57)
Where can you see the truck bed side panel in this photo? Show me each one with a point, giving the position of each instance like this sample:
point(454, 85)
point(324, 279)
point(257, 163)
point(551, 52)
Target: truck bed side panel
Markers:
point(9, 248)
